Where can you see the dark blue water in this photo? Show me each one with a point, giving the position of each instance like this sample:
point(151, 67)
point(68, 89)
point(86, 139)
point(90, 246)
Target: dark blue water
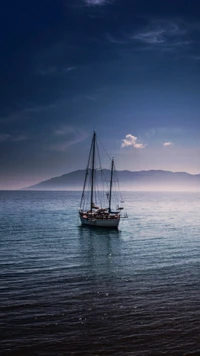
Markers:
point(69, 290)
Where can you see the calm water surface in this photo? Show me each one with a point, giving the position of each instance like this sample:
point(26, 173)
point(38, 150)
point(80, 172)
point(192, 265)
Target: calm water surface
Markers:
point(70, 290)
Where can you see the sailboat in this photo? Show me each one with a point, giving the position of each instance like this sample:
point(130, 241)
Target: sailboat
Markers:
point(98, 195)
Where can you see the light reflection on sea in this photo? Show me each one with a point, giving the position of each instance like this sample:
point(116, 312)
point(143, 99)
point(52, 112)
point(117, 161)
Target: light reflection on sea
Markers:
point(72, 290)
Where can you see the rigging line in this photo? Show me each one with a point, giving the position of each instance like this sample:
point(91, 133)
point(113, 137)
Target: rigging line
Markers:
point(116, 174)
point(103, 176)
point(97, 196)
point(125, 215)
point(97, 148)
point(104, 149)
point(86, 174)
point(87, 190)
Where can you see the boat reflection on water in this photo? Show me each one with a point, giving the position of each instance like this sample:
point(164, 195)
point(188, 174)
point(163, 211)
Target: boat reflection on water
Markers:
point(89, 232)
point(100, 250)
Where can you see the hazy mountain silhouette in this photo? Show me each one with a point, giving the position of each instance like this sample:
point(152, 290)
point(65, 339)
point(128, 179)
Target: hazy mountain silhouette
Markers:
point(142, 180)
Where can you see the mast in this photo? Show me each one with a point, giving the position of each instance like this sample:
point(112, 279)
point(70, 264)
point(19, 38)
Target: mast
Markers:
point(92, 178)
point(86, 174)
point(111, 182)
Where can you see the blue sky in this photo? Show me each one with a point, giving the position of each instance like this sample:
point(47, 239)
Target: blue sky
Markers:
point(128, 69)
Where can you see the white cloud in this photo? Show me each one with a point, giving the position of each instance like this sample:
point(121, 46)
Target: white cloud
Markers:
point(131, 140)
point(162, 33)
point(166, 144)
point(96, 2)
point(151, 37)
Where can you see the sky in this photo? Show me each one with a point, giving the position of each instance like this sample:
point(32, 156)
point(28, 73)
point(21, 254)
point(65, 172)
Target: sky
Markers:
point(128, 69)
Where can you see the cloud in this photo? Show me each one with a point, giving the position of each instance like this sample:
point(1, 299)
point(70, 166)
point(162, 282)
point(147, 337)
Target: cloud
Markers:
point(131, 140)
point(65, 130)
point(25, 113)
point(8, 137)
point(54, 70)
point(166, 144)
point(195, 58)
point(69, 69)
point(4, 137)
point(60, 147)
point(96, 2)
point(115, 40)
point(20, 138)
point(151, 37)
point(162, 33)
point(66, 136)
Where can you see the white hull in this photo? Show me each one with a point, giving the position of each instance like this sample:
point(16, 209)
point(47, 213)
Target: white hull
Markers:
point(113, 223)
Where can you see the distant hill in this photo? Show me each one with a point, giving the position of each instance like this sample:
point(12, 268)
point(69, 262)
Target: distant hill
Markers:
point(137, 180)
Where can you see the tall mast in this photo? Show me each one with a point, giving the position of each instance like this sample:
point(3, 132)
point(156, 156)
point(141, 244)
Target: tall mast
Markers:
point(111, 182)
point(92, 178)
point(86, 174)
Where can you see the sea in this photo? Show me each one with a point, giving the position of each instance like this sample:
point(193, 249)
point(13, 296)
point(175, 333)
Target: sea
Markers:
point(70, 290)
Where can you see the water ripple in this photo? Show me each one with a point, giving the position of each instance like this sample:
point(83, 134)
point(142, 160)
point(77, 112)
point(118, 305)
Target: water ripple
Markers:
point(69, 290)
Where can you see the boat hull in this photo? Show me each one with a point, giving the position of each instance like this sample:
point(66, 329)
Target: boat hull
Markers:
point(110, 223)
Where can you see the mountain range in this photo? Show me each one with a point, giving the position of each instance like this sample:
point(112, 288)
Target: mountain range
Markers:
point(129, 180)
